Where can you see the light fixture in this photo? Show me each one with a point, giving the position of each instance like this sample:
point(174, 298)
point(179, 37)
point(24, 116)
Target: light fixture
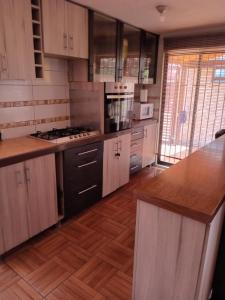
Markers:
point(161, 10)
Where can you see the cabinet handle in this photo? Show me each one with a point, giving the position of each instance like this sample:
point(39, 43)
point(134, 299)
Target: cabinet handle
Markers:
point(120, 145)
point(71, 41)
point(65, 41)
point(87, 164)
point(133, 168)
point(19, 180)
point(88, 189)
point(86, 152)
point(4, 64)
point(146, 133)
point(27, 174)
point(136, 133)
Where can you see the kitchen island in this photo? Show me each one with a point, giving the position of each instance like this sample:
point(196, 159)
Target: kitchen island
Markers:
point(179, 220)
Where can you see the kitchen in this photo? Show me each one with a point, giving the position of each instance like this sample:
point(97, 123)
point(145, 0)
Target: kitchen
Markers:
point(83, 131)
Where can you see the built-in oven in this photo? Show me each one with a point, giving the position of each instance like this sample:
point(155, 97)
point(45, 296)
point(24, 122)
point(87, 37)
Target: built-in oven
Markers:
point(118, 106)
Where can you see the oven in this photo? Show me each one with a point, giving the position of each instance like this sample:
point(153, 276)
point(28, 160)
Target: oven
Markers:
point(118, 106)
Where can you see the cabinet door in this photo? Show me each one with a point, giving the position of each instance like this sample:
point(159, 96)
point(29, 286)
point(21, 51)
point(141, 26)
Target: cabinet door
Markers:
point(110, 166)
point(149, 144)
point(55, 27)
point(103, 48)
point(16, 49)
point(130, 54)
point(42, 198)
point(124, 144)
point(77, 30)
point(13, 206)
point(148, 65)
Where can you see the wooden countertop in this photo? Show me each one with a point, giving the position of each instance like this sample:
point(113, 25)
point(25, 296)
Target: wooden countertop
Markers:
point(18, 149)
point(195, 187)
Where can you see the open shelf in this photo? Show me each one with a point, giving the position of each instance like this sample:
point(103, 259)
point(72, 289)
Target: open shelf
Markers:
point(37, 37)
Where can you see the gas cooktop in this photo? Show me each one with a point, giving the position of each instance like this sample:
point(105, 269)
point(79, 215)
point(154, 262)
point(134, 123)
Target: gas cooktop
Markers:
point(66, 134)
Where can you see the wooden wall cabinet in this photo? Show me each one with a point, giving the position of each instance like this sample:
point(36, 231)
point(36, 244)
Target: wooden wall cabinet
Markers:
point(16, 48)
point(116, 163)
point(28, 202)
point(65, 29)
point(149, 144)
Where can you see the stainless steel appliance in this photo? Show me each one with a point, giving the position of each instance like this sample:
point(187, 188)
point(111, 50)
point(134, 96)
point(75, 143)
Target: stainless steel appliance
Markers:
point(67, 134)
point(118, 108)
point(143, 110)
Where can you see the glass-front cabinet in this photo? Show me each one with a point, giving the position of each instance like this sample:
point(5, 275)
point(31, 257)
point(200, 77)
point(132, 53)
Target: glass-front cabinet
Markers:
point(148, 63)
point(120, 52)
point(103, 48)
point(130, 54)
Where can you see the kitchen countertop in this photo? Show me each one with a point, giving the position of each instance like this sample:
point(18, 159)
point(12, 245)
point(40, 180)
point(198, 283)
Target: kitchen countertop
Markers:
point(19, 149)
point(140, 123)
point(194, 187)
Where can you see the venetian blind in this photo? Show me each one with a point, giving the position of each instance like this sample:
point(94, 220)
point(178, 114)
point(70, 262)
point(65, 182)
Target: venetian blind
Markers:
point(193, 104)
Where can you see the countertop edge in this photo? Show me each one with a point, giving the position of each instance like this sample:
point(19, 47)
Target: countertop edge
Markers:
point(181, 210)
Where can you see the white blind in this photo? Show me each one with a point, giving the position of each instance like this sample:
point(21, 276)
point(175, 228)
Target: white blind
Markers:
point(193, 106)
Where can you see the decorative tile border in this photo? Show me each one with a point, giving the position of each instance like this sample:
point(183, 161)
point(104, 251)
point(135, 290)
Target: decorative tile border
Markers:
point(8, 104)
point(33, 122)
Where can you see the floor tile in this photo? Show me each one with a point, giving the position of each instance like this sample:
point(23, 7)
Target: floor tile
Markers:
point(47, 277)
point(20, 290)
point(96, 272)
point(7, 276)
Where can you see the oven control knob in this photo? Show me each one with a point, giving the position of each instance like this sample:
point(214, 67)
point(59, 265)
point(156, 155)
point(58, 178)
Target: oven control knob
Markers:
point(71, 137)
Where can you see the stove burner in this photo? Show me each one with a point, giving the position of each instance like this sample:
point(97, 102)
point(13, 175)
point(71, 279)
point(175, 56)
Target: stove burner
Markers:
point(70, 132)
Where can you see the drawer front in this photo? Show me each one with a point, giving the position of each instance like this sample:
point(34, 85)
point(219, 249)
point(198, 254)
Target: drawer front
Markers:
point(137, 133)
point(136, 146)
point(135, 163)
point(79, 199)
point(82, 155)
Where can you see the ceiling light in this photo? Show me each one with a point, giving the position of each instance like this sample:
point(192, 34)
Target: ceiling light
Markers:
point(161, 10)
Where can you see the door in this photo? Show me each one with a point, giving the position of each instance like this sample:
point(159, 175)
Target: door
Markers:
point(110, 166)
point(103, 48)
point(16, 49)
point(124, 144)
point(42, 196)
point(149, 145)
point(130, 54)
point(13, 206)
point(77, 30)
point(55, 27)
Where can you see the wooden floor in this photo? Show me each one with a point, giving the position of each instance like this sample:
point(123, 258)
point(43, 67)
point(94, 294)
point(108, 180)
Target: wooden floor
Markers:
point(88, 257)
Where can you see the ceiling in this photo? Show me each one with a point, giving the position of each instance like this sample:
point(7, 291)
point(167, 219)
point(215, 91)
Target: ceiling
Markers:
point(180, 15)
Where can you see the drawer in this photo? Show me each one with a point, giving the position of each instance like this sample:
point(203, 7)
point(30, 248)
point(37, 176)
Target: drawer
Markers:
point(79, 199)
point(82, 155)
point(135, 163)
point(136, 146)
point(137, 133)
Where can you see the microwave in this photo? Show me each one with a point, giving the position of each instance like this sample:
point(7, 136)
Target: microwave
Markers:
point(143, 110)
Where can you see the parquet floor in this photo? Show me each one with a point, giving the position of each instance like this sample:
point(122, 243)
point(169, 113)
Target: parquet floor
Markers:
point(88, 257)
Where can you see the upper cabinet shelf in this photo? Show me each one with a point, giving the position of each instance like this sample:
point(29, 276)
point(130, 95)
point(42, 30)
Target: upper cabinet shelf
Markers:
point(65, 29)
point(120, 52)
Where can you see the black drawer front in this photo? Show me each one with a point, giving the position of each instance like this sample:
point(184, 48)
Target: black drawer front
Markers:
point(84, 154)
point(81, 199)
point(82, 177)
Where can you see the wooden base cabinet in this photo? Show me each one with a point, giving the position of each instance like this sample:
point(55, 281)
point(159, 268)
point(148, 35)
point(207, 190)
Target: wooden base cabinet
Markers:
point(65, 29)
point(175, 255)
point(28, 202)
point(116, 163)
point(149, 144)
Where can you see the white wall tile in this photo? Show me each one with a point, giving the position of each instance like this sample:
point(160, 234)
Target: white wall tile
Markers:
point(17, 132)
point(10, 92)
point(44, 92)
point(16, 114)
point(49, 126)
point(49, 111)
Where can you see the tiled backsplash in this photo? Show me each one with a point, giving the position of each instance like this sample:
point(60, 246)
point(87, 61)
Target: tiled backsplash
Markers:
point(28, 106)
